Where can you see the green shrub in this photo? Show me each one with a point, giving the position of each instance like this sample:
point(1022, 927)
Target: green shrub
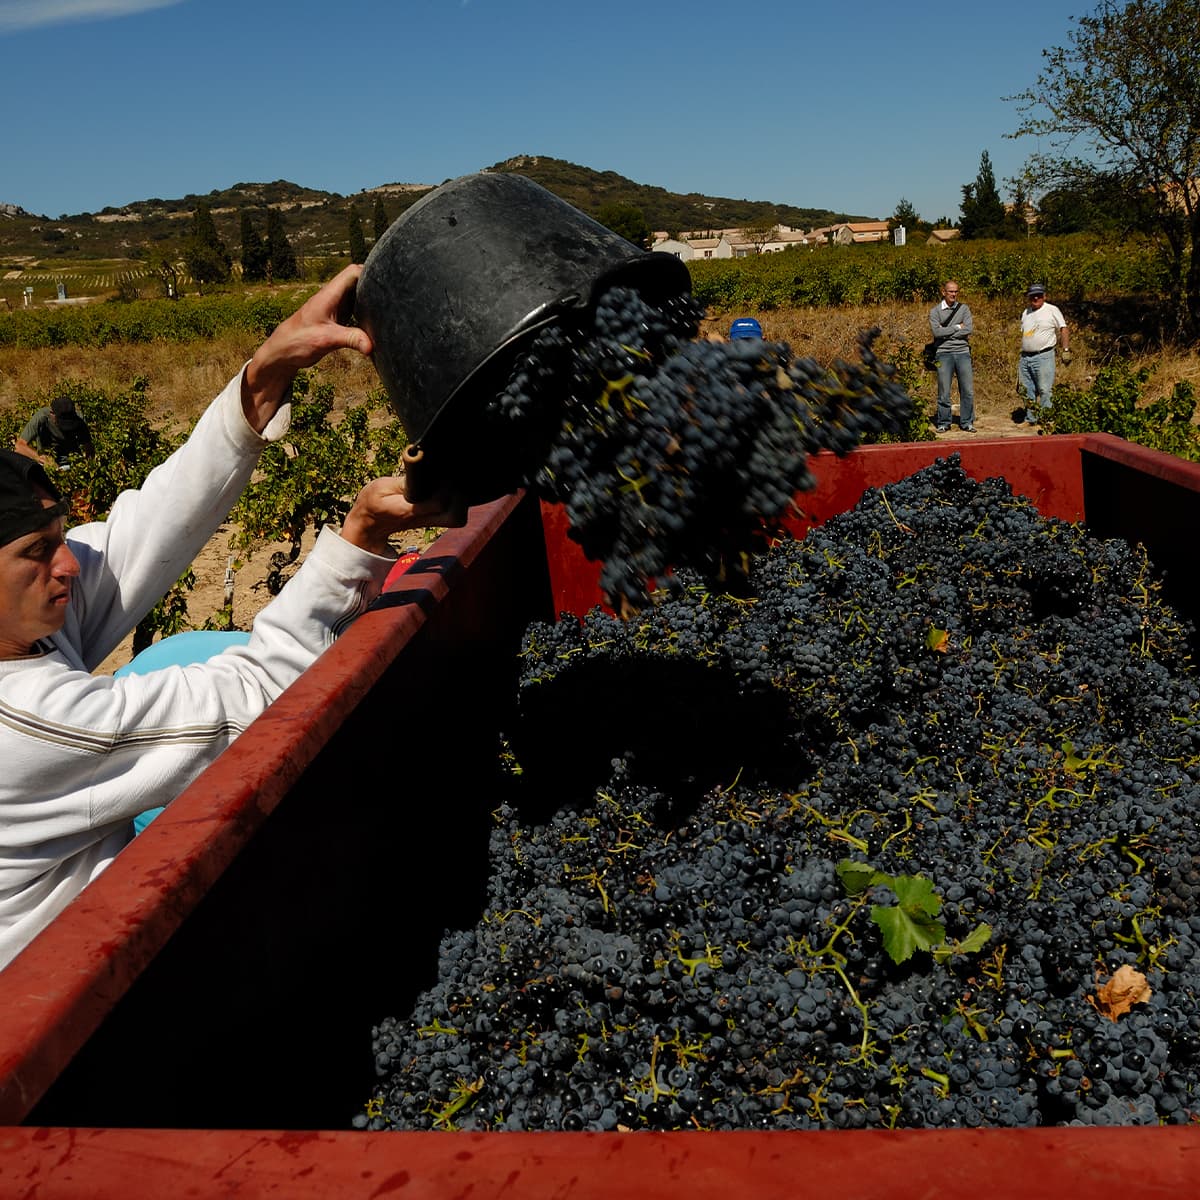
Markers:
point(192, 318)
point(1075, 267)
point(1113, 405)
point(310, 478)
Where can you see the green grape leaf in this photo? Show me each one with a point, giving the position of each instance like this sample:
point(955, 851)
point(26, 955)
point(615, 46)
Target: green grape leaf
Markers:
point(975, 940)
point(903, 934)
point(937, 640)
point(916, 895)
point(971, 944)
point(856, 877)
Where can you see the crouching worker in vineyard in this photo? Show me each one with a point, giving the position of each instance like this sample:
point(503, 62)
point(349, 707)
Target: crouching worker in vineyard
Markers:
point(83, 754)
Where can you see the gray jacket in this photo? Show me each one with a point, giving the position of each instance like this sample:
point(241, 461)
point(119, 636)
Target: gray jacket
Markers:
point(950, 338)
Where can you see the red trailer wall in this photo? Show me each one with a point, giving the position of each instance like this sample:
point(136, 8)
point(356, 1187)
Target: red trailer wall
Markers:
point(226, 969)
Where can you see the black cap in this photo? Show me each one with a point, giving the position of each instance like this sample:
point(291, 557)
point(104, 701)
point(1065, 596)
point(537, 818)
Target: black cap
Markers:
point(65, 414)
point(1036, 289)
point(21, 508)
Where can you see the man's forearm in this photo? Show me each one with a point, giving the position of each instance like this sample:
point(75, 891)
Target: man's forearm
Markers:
point(23, 447)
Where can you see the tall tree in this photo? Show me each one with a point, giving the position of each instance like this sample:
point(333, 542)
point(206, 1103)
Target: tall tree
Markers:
point(1096, 203)
point(982, 208)
point(281, 258)
point(163, 260)
point(905, 215)
point(760, 233)
point(254, 252)
point(204, 254)
point(380, 218)
point(1019, 214)
point(358, 243)
point(1122, 100)
point(626, 219)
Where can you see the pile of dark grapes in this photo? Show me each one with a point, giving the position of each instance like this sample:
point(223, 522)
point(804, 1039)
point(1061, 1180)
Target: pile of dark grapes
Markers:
point(946, 687)
point(673, 453)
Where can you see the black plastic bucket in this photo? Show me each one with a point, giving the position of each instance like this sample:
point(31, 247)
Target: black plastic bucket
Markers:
point(453, 291)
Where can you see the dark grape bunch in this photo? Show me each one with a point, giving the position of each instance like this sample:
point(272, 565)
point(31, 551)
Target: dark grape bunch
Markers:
point(669, 452)
point(980, 707)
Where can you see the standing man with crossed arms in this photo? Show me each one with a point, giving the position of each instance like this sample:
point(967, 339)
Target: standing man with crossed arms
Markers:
point(951, 324)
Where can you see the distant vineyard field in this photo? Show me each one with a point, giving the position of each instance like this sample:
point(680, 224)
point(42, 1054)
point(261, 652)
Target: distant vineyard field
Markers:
point(1072, 268)
point(191, 318)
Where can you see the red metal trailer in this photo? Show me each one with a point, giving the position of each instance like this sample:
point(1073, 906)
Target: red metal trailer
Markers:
point(198, 1021)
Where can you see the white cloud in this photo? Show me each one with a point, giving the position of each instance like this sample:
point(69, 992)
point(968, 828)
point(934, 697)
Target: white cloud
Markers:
point(30, 14)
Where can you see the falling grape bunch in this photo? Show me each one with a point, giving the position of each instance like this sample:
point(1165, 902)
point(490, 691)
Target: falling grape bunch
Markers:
point(668, 452)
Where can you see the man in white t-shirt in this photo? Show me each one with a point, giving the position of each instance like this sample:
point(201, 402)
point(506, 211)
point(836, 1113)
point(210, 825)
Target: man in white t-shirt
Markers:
point(1043, 331)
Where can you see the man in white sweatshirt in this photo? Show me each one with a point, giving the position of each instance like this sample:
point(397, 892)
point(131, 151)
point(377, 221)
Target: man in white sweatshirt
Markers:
point(83, 754)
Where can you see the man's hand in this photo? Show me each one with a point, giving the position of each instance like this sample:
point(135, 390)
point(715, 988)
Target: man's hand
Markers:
point(311, 332)
point(382, 509)
point(21, 446)
point(1066, 356)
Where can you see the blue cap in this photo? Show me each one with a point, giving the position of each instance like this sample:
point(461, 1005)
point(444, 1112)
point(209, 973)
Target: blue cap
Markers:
point(745, 327)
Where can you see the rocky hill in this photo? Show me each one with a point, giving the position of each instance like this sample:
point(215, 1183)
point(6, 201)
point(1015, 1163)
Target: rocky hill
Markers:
point(317, 222)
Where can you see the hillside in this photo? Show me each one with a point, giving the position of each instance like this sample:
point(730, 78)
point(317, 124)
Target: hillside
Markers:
point(317, 221)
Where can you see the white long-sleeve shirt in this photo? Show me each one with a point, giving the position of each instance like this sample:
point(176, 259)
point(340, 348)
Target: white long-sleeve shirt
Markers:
point(81, 755)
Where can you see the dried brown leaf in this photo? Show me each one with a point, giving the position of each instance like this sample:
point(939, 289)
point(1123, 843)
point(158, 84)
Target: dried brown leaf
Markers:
point(1126, 988)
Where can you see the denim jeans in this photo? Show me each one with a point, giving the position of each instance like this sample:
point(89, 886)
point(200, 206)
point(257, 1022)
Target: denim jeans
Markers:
point(956, 362)
point(1036, 375)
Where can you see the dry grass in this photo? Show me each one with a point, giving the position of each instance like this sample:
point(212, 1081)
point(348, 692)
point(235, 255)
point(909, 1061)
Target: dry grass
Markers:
point(825, 334)
point(184, 378)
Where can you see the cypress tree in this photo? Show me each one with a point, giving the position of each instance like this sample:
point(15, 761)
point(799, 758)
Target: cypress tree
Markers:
point(254, 252)
point(281, 258)
point(380, 219)
point(358, 243)
point(982, 209)
point(204, 254)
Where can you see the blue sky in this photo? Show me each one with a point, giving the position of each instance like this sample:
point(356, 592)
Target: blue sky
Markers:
point(848, 108)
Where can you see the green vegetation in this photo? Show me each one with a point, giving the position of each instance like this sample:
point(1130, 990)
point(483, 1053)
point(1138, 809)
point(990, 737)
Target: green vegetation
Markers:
point(358, 240)
point(309, 479)
point(590, 190)
point(379, 218)
point(281, 258)
point(628, 220)
point(254, 252)
point(906, 214)
point(1113, 404)
point(982, 209)
point(1073, 268)
point(116, 233)
point(1119, 108)
point(910, 923)
point(204, 254)
point(193, 318)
